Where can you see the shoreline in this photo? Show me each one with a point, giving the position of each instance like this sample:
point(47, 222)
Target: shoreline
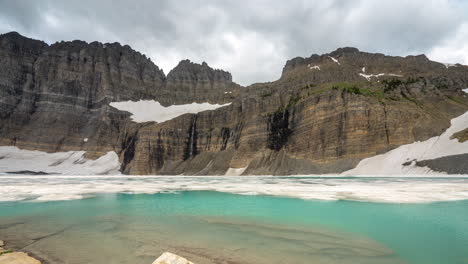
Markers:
point(11, 256)
point(28, 257)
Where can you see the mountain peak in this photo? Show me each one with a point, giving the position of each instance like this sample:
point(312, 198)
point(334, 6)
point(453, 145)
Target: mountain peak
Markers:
point(341, 51)
point(14, 41)
point(187, 69)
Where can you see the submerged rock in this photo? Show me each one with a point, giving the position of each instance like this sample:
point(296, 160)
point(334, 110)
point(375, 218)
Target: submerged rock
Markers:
point(170, 258)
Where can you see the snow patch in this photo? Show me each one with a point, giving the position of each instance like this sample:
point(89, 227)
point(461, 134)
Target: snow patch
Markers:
point(391, 163)
point(150, 110)
point(85, 139)
point(235, 171)
point(447, 65)
point(315, 67)
point(465, 90)
point(369, 76)
point(363, 69)
point(335, 60)
point(70, 163)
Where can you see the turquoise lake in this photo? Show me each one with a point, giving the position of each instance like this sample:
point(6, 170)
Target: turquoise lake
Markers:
point(220, 227)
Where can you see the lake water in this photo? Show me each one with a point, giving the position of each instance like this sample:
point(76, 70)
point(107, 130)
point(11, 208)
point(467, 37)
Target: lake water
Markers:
point(98, 219)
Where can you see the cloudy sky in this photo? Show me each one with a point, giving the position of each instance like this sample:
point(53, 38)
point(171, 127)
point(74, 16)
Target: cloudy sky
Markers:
point(251, 39)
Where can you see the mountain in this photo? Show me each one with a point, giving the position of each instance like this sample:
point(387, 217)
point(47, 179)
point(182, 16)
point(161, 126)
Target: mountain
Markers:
point(325, 114)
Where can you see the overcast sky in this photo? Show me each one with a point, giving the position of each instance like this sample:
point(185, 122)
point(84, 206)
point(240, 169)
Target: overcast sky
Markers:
point(251, 39)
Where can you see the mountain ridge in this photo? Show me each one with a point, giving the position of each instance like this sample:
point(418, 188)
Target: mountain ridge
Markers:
point(325, 113)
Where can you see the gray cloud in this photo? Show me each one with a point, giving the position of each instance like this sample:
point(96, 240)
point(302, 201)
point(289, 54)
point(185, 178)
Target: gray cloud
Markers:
point(251, 39)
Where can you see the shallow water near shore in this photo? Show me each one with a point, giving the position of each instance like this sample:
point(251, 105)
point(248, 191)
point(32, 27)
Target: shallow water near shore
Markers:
point(220, 227)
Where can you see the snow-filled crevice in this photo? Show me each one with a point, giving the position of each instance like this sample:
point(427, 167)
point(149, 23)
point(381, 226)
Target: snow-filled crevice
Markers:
point(150, 110)
point(334, 60)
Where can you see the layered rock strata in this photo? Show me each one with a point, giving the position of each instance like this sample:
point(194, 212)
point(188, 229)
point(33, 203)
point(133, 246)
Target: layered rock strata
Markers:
point(325, 114)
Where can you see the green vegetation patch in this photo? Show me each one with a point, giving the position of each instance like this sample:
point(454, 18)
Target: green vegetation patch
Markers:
point(391, 84)
point(6, 252)
point(308, 86)
point(355, 89)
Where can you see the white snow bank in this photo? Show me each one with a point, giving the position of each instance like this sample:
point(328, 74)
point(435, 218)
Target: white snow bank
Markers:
point(315, 67)
point(391, 190)
point(465, 90)
point(335, 60)
point(391, 163)
point(150, 110)
point(447, 65)
point(369, 76)
point(70, 163)
point(363, 69)
point(235, 171)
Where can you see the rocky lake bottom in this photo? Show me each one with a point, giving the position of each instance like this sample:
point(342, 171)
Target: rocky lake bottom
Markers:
point(121, 219)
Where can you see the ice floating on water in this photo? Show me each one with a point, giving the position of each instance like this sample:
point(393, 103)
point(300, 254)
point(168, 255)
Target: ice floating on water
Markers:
point(149, 110)
point(391, 163)
point(71, 163)
point(389, 190)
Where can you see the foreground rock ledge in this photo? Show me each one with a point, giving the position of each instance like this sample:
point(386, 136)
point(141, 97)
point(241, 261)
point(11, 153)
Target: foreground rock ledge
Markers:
point(169, 258)
point(7, 257)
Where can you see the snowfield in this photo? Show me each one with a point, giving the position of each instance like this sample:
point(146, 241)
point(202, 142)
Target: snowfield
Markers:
point(391, 163)
point(150, 110)
point(13, 159)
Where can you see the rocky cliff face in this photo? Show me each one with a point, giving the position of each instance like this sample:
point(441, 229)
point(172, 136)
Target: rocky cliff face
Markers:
point(325, 113)
point(53, 97)
point(190, 82)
